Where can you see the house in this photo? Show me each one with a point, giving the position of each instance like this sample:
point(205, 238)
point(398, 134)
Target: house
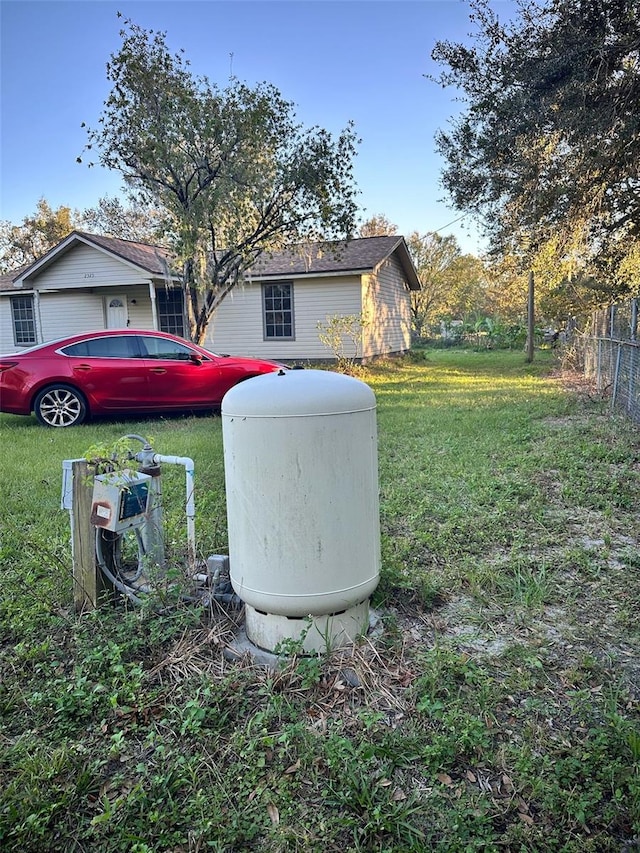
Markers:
point(91, 282)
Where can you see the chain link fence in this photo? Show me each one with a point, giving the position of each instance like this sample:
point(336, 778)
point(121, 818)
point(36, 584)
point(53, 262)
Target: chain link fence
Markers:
point(611, 356)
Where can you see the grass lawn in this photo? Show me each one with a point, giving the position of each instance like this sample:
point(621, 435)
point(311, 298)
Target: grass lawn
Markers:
point(496, 709)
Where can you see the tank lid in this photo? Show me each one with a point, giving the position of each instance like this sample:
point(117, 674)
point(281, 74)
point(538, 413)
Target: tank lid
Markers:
point(298, 393)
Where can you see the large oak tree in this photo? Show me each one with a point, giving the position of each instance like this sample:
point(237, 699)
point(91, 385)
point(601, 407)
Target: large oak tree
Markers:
point(547, 147)
point(232, 168)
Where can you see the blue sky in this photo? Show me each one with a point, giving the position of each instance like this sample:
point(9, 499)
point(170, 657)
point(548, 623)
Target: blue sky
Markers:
point(337, 60)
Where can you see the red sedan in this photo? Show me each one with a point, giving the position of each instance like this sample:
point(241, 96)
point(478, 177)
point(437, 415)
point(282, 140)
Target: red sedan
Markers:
point(117, 372)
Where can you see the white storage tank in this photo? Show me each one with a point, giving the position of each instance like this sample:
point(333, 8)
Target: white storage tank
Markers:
point(301, 472)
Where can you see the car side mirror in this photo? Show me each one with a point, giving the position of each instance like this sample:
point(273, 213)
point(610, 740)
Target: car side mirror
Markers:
point(195, 358)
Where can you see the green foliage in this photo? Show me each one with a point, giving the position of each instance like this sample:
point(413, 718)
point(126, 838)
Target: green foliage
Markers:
point(544, 152)
point(491, 334)
point(109, 457)
point(450, 281)
point(25, 243)
point(342, 335)
point(139, 223)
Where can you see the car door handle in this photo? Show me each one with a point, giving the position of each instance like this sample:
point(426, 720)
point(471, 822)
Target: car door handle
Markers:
point(158, 370)
point(82, 367)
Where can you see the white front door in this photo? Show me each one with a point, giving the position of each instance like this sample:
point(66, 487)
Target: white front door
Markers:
point(117, 315)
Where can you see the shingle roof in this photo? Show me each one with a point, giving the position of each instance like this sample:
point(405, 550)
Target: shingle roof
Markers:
point(6, 281)
point(154, 259)
point(360, 255)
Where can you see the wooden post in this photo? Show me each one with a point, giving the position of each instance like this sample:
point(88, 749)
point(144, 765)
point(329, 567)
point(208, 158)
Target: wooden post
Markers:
point(530, 318)
point(89, 587)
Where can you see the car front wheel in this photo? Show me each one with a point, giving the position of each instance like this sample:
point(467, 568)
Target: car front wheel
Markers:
point(60, 406)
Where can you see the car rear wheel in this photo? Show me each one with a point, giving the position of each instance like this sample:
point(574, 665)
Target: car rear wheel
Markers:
point(60, 406)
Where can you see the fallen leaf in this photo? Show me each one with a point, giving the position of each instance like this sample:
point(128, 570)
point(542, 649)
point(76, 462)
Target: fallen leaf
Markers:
point(293, 767)
point(274, 814)
point(445, 779)
point(507, 784)
point(399, 795)
point(525, 818)
point(471, 777)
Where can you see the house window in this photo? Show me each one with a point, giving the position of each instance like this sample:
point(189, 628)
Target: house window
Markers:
point(170, 305)
point(24, 322)
point(277, 301)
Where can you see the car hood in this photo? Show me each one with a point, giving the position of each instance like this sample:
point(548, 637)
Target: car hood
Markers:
point(255, 362)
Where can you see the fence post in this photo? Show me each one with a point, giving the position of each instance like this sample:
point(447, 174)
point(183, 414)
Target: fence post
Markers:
point(632, 402)
point(599, 366)
point(616, 375)
point(530, 317)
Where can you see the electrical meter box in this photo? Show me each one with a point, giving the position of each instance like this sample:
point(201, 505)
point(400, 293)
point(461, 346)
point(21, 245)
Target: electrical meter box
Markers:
point(120, 500)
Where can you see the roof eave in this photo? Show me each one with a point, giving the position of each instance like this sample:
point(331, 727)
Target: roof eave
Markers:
point(406, 262)
point(307, 274)
point(47, 259)
point(73, 239)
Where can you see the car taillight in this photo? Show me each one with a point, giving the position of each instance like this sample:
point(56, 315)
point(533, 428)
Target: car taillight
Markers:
point(7, 365)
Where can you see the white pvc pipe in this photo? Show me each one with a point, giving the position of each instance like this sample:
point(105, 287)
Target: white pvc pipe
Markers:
point(191, 505)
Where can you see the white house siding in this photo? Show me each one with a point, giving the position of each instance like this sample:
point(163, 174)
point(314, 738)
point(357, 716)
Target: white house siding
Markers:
point(7, 344)
point(84, 266)
point(63, 314)
point(237, 326)
point(138, 306)
point(387, 307)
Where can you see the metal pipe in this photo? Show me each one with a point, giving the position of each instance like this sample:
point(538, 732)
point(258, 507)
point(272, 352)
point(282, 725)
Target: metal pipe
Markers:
point(616, 376)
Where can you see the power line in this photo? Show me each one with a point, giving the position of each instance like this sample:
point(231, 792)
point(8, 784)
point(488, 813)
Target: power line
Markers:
point(453, 222)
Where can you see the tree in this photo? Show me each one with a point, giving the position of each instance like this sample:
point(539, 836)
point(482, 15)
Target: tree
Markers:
point(449, 280)
point(231, 168)
point(503, 292)
point(113, 219)
point(432, 256)
point(37, 234)
point(468, 297)
point(548, 145)
point(377, 226)
point(25, 243)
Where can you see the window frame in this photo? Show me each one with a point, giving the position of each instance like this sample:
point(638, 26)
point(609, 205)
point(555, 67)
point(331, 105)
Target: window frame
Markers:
point(168, 320)
point(277, 310)
point(29, 321)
